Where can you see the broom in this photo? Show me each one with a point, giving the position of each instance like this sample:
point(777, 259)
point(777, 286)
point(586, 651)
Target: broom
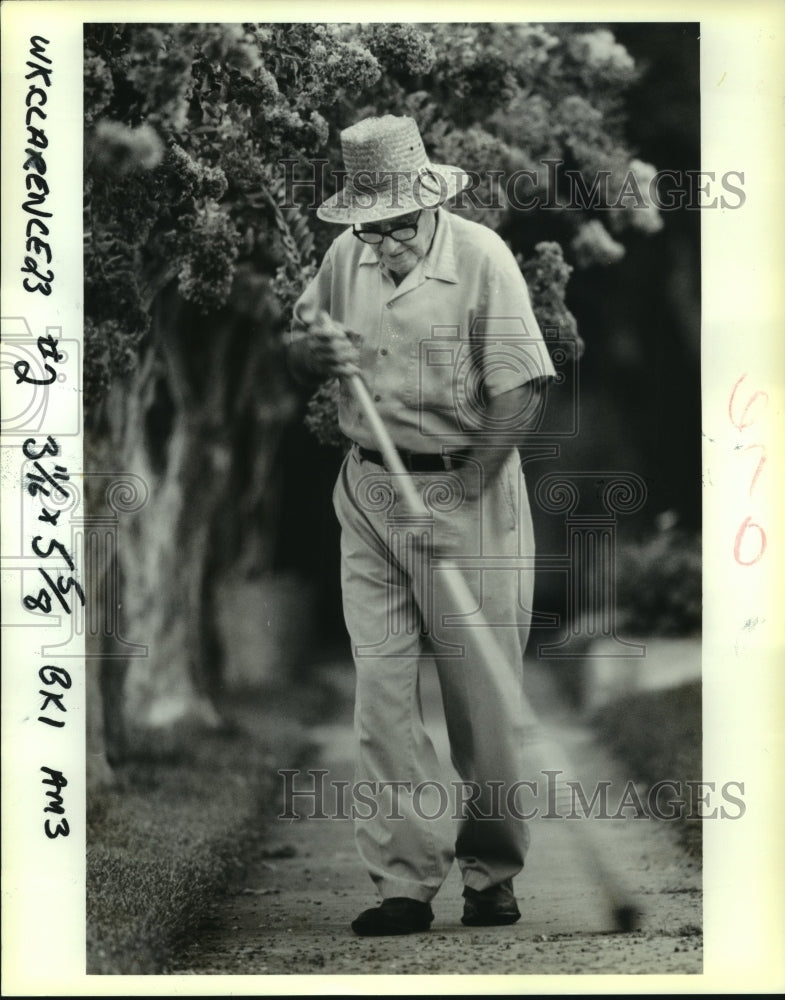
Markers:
point(625, 912)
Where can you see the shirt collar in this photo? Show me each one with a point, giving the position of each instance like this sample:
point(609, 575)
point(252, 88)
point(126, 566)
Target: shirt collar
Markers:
point(439, 262)
point(367, 256)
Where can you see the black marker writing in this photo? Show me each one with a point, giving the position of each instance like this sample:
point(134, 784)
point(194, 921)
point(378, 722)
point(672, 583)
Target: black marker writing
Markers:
point(55, 805)
point(38, 276)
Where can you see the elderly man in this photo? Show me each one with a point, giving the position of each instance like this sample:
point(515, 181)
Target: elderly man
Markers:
point(432, 310)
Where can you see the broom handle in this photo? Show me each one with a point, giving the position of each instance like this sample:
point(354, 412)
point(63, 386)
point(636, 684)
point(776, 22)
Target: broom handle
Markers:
point(380, 433)
point(552, 755)
point(385, 443)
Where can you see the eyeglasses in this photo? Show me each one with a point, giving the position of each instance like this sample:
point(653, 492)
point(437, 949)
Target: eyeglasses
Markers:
point(401, 234)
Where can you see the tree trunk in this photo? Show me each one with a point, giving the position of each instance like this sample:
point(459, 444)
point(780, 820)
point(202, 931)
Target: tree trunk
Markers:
point(196, 430)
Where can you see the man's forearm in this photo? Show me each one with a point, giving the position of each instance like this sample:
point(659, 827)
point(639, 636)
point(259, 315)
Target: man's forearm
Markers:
point(518, 411)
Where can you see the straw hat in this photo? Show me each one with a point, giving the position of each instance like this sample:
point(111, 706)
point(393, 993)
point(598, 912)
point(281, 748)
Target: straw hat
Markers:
point(388, 173)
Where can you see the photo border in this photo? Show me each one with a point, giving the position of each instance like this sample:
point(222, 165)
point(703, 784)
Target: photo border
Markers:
point(743, 314)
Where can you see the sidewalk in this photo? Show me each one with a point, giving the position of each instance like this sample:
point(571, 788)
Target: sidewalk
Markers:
point(292, 912)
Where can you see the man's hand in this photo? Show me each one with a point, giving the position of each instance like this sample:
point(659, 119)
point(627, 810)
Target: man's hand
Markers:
point(325, 349)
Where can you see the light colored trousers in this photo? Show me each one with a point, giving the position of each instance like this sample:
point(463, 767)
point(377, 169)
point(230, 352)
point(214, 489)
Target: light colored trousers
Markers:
point(395, 603)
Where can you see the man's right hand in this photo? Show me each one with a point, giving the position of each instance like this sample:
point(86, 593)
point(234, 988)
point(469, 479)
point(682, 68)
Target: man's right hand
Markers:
point(325, 349)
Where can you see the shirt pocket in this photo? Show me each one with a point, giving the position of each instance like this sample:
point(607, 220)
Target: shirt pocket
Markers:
point(440, 377)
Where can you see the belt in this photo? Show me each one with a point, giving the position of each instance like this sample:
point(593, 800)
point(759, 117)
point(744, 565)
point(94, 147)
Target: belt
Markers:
point(416, 461)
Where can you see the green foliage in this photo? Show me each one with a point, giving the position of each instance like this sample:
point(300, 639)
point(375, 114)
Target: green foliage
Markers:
point(659, 582)
point(547, 274)
point(403, 49)
point(656, 734)
point(205, 277)
point(165, 840)
point(593, 244)
point(186, 126)
point(321, 417)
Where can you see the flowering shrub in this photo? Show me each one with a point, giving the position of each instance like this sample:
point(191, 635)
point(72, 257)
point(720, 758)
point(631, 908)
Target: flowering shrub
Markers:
point(534, 45)
point(659, 581)
point(111, 346)
point(321, 417)
point(183, 125)
point(400, 48)
point(186, 126)
point(593, 244)
point(582, 130)
point(472, 65)
point(601, 58)
point(547, 273)
point(205, 276)
point(642, 213)
point(187, 214)
point(98, 87)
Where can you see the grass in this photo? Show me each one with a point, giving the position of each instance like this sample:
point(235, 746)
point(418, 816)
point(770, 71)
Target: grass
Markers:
point(174, 829)
point(178, 824)
point(658, 735)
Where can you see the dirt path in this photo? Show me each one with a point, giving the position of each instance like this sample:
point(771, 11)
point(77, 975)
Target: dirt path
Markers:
point(293, 910)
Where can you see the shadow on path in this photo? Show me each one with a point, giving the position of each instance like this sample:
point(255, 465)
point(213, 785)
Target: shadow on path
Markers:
point(292, 913)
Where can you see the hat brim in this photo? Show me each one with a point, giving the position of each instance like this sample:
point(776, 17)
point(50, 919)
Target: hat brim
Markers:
point(355, 203)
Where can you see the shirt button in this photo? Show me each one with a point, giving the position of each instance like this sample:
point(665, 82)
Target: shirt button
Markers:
point(389, 305)
point(377, 399)
point(383, 352)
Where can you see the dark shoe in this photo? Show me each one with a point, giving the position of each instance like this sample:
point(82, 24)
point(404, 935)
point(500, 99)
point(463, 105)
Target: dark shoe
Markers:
point(399, 915)
point(490, 907)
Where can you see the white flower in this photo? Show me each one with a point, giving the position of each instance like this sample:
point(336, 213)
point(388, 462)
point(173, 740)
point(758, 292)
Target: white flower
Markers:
point(118, 147)
point(644, 172)
point(645, 217)
point(534, 45)
point(593, 244)
point(600, 50)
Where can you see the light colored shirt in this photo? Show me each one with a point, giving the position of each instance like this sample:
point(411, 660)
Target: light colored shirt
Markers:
point(457, 330)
